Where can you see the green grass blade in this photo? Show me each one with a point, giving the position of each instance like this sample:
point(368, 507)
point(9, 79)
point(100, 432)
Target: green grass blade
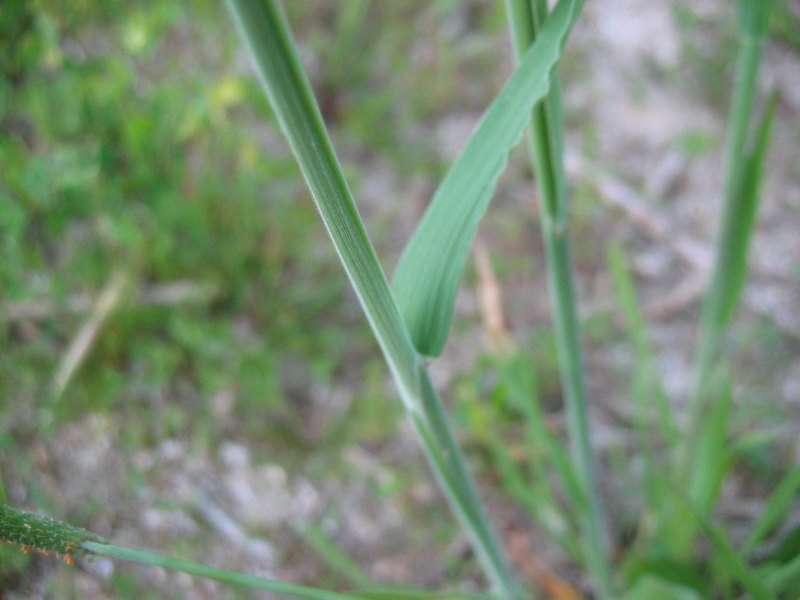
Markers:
point(236, 579)
point(408, 594)
point(741, 230)
point(518, 374)
point(429, 271)
point(776, 509)
point(200, 570)
point(653, 588)
point(653, 414)
point(754, 17)
point(713, 454)
point(536, 495)
point(335, 557)
point(636, 326)
point(742, 186)
point(529, 22)
point(732, 561)
point(711, 459)
point(783, 579)
point(743, 172)
point(265, 31)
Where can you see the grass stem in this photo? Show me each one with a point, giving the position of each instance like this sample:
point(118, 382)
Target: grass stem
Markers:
point(743, 166)
point(547, 148)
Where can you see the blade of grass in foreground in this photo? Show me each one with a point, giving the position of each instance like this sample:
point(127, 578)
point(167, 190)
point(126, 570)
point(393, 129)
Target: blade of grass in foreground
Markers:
point(529, 23)
point(429, 271)
point(264, 29)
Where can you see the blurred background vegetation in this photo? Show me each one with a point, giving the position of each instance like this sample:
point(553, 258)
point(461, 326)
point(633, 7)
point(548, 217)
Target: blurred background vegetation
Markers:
point(228, 402)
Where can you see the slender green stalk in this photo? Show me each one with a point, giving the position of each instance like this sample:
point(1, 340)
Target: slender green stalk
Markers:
point(223, 576)
point(264, 29)
point(546, 141)
point(717, 310)
point(234, 578)
point(743, 168)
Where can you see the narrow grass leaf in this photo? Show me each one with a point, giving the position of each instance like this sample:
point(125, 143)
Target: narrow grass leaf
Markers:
point(742, 184)
point(429, 271)
point(653, 588)
point(777, 508)
point(687, 574)
point(710, 462)
point(742, 228)
point(782, 579)
point(713, 453)
point(743, 173)
point(517, 372)
point(333, 556)
point(223, 576)
point(535, 494)
point(625, 290)
point(409, 594)
point(733, 563)
point(754, 17)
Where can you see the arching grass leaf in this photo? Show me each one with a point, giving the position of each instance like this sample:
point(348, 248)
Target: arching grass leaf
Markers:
point(429, 271)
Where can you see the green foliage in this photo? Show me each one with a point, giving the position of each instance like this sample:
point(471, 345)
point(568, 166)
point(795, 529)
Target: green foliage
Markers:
point(133, 157)
point(430, 269)
point(652, 588)
point(776, 510)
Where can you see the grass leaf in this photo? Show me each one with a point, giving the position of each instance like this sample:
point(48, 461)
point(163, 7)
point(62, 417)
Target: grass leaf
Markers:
point(223, 576)
point(749, 195)
point(334, 557)
point(777, 508)
point(653, 588)
point(732, 561)
point(429, 271)
point(782, 578)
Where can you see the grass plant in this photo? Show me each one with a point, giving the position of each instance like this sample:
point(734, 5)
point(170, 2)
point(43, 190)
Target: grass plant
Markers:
point(411, 319)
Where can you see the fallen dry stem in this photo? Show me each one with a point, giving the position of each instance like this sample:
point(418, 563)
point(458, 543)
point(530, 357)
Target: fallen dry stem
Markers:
point(165, 294)
point(87, 334)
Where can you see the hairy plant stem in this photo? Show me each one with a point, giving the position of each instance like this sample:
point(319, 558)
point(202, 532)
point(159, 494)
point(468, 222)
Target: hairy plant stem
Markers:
point(265, 31)
point(546, 141)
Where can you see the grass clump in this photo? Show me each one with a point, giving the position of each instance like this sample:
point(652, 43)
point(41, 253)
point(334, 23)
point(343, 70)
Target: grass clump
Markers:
point(411, 318)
